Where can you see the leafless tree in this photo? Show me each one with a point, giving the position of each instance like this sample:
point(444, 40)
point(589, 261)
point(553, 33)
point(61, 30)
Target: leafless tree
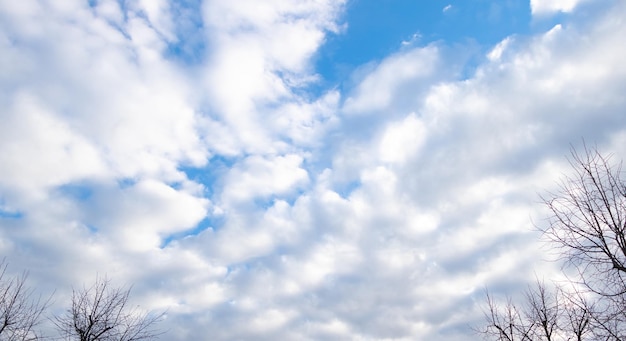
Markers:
point(588, 221)
point(577, 314)
point(587, 226)
point(101, 313)
point(505, 322)
point(20, 310)
point(546, 313)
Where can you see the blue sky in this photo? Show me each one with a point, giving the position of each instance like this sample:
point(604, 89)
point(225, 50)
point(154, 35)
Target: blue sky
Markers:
point(376, 29)
point(298, 170)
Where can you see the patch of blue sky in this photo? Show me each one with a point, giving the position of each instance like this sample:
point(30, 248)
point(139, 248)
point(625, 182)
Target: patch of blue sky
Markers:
point(191, 44)
point(76, 190)
point(377, 28)
point(346, 189)
point(126, 182)
point(91, 228)
point(212, 222)
point(8, 213)
point(122, 5)
point(211, 174)
point(267, 202)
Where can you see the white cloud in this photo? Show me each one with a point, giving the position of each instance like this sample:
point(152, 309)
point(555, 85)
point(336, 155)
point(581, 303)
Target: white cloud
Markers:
point(158, 13)
point(377, 212)
point(263, 177)
point(111, 11)
point(399, 74)
point(41, 149)
point(127, 214)
point(402, 140)
point(261, 51)
point(135, 115)
point(516, 113)
point(496, 53)
point(542, 7)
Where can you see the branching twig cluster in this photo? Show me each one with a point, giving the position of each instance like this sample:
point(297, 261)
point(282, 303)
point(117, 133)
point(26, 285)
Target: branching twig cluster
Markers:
point(587, 223)
point(20, 310)
point(550, 314)
point(100, 313)
point(97, 313)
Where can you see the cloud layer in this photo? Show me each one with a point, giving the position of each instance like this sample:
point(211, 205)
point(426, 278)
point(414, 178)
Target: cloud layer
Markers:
point(183, 148)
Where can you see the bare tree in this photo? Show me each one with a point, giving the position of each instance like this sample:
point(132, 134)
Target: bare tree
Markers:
point(588, 221)
point(101, 313)
point(576, 314)
point(587, 225)
point(549, 314)
point(20, 310)
point(505, 322)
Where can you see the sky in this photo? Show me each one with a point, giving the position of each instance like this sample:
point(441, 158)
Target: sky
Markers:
point(298, 169)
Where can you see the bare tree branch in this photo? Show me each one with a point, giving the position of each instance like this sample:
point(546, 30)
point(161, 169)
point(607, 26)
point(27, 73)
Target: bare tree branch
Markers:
point(548, 313)
point(588, 221)
point(20, 311)
point(100, 313)
point(587, 225)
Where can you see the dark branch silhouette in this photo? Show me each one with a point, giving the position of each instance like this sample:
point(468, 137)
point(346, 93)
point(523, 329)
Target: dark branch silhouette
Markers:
point(587, 225)
point(588, 221)
point(20, 310)
point(101, 313)
point(549, 314)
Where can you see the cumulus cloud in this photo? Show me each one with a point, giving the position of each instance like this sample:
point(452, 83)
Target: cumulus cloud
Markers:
point(398, 75)
point(258, 177)
point(262, 52)
point(251, 208)
point(542, 7)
